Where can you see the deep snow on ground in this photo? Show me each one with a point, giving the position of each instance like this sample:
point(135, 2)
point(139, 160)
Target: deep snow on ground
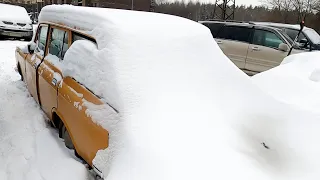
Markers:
point(29, 148)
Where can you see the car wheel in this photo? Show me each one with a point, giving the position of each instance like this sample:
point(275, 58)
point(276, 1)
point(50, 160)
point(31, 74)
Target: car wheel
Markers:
point(67, 139)
point(19, 71)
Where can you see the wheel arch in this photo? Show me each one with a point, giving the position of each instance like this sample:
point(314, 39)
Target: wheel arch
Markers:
point(58, 120)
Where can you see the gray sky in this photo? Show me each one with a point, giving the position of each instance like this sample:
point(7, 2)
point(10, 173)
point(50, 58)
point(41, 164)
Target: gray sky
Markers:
point(248, 2)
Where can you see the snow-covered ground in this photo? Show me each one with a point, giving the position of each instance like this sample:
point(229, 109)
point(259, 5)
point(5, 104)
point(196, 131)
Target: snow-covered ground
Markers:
point(29, 148)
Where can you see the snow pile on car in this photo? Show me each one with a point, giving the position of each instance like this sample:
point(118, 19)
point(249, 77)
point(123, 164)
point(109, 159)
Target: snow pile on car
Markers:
point(295, 81)
point(186, 111)
point(12, 13)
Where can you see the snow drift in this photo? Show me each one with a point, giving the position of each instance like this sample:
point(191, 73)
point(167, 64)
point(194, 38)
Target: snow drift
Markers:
point(185, 110)
point(295, 81)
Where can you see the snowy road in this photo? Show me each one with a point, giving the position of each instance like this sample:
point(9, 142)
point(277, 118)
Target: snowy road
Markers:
point(29, 150)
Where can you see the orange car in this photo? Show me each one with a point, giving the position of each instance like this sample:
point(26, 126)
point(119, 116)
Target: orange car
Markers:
point(56, 94)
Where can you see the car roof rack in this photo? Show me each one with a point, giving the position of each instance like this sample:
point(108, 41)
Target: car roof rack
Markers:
point(220, 20)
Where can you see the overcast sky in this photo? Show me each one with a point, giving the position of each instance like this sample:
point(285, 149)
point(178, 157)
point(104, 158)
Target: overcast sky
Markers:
point(248, 2)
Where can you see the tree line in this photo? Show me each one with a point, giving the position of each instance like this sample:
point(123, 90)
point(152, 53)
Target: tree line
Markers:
point(281, 11)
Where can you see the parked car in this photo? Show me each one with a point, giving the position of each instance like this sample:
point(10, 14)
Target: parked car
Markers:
point(15, 22)
point(253, 48)
point(309, 39)
point(44, 83)
point(84, 68)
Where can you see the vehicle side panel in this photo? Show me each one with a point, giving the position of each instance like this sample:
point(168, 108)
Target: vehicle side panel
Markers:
point(261, 58)
point(87, 136)
point(32, 62)
point(235, 50)
point(48, 87)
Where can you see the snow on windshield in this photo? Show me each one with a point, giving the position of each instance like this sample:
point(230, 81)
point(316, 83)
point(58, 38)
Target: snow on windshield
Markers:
point(185, 110)
point(313, 35)
point(13, 13)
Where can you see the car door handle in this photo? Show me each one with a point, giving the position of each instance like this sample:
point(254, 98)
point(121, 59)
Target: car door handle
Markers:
point(35, 65)
point(255, 48)
point(54, 81)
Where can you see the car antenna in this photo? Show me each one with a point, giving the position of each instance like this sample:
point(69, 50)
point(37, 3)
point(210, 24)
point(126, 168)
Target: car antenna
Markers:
point(295, 39)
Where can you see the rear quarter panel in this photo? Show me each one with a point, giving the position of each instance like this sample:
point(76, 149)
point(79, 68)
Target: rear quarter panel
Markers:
point(87, 136)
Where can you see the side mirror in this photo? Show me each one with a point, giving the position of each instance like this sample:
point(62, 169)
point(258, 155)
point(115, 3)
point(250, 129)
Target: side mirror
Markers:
point(283, 47)
point(303, 41)
point(31, 47)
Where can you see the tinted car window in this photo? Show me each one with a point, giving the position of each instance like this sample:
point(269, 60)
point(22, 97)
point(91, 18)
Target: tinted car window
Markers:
point(235, 33)
point(58, 43)
point(76, 36)
point(42, 38)
point(293, 33)
point(266, 38)
point(214, 28)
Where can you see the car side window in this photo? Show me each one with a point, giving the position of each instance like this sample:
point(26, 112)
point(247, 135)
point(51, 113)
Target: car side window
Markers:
point(58, 43)
point(291, 33)
point(266, 38)
point(42, 39)
point(76, 36)
point(235, 33)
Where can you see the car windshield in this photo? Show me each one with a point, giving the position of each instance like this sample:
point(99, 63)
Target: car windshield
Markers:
point(313, 36)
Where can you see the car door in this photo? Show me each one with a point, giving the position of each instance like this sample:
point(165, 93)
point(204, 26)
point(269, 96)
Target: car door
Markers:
point(264, 52)
point(234, 42)
point(33, 60)
point(49, 74)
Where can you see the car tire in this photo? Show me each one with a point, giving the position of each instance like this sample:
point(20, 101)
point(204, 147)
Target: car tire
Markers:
point(66, 136)
point(19, 71)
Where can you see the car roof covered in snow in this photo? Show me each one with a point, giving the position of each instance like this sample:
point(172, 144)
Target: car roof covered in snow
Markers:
point(282, 25)
point(87, 18)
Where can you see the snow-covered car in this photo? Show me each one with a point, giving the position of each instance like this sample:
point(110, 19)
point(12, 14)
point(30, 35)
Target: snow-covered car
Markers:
point(144, 96)
point(15, 22)
point(296, 81)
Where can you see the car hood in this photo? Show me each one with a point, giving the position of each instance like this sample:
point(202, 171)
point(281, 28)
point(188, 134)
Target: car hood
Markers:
point(15, 14)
